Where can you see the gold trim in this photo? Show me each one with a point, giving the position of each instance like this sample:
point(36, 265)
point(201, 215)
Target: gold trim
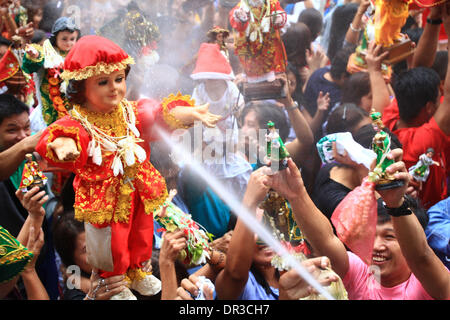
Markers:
point(73, 133)
point(99, 68)
point(171, 121)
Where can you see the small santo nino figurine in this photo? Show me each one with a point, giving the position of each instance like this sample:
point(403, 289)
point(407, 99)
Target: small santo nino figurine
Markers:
point(277, 152)
point(381, 145)
point(32, 176)
point(47, 61)
point(421, 169)
point(258, 44)
point(104, 140)
point(219, 35)
point(390, 17)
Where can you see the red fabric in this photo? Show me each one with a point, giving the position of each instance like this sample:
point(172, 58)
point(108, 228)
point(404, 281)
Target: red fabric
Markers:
point(417, 4)
point(90, 50)
point(64, 127)
point(99, 192)
point(8, 65)
point(415, 142)
point(136, 234)
point(258, 58)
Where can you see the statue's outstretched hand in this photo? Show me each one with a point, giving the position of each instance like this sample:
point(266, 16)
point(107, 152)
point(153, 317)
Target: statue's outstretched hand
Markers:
point(65, 148)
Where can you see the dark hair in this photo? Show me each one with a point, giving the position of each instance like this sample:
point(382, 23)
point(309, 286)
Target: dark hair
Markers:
point(365, 134)
point(10, 105)
point(5, 41)
point(266, 112)
point(413, 89)
point(51, 12)
point(65, 232)
point(345, 118)
point(414, 34)
point(356, 87)
point(339, 63)
point(32, 10)
point(296, 40)
point(38, 36)
point(75, 91)
point(440, 64)
point(415, 206)
point(341, 19)
point(313, 20)
point(298, 92)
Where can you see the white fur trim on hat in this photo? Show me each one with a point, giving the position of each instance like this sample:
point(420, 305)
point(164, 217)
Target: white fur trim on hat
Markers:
point(212, 75)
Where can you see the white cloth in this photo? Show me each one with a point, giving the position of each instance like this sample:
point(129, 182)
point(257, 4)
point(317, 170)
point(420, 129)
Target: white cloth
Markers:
point(231, 168)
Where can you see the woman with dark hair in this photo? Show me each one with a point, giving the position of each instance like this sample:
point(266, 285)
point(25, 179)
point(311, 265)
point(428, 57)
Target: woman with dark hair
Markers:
point(342, 17)
point(70, 243)
point(335, 180)
point(297, 40)
point(47, 61)
point(357, 90)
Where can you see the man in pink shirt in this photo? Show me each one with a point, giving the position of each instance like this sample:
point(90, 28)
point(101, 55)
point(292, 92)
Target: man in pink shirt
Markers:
point(406, 268)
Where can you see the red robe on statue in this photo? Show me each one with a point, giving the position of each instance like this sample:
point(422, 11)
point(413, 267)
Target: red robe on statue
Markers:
point(258, 43)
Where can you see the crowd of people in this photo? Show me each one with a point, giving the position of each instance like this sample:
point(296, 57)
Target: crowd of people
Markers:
point(85, 85)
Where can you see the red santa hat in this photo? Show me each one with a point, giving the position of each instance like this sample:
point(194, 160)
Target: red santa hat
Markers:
point(212, 64)
point(93, 55)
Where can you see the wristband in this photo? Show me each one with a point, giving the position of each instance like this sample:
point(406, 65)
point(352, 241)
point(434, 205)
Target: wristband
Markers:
point(353, 29)
point(403, 210)
point(295, 106)
point(434, 21)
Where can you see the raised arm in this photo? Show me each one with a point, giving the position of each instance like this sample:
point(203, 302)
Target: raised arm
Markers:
point(323, 104)
point(442, 114)
point(173, 243)
point(11, 158)
point(357, 25)
point(379, 88)
point(314, 224)
point(423, 262)
point(304, 140)
point(426, 48)
point(232, 279)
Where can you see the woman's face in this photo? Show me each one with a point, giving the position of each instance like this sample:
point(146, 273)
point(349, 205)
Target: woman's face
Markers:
point(105, 91)
point(65, 40)
point(80, 254)
point(263, 255)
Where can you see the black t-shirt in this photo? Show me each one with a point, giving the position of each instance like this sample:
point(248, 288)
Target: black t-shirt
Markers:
point(328, 193)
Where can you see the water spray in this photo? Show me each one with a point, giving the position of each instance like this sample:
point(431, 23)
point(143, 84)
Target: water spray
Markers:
point(248, 218)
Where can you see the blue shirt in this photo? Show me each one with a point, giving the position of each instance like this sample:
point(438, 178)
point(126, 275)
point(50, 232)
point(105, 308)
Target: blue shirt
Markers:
point(438, 230)
point(254, 291)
